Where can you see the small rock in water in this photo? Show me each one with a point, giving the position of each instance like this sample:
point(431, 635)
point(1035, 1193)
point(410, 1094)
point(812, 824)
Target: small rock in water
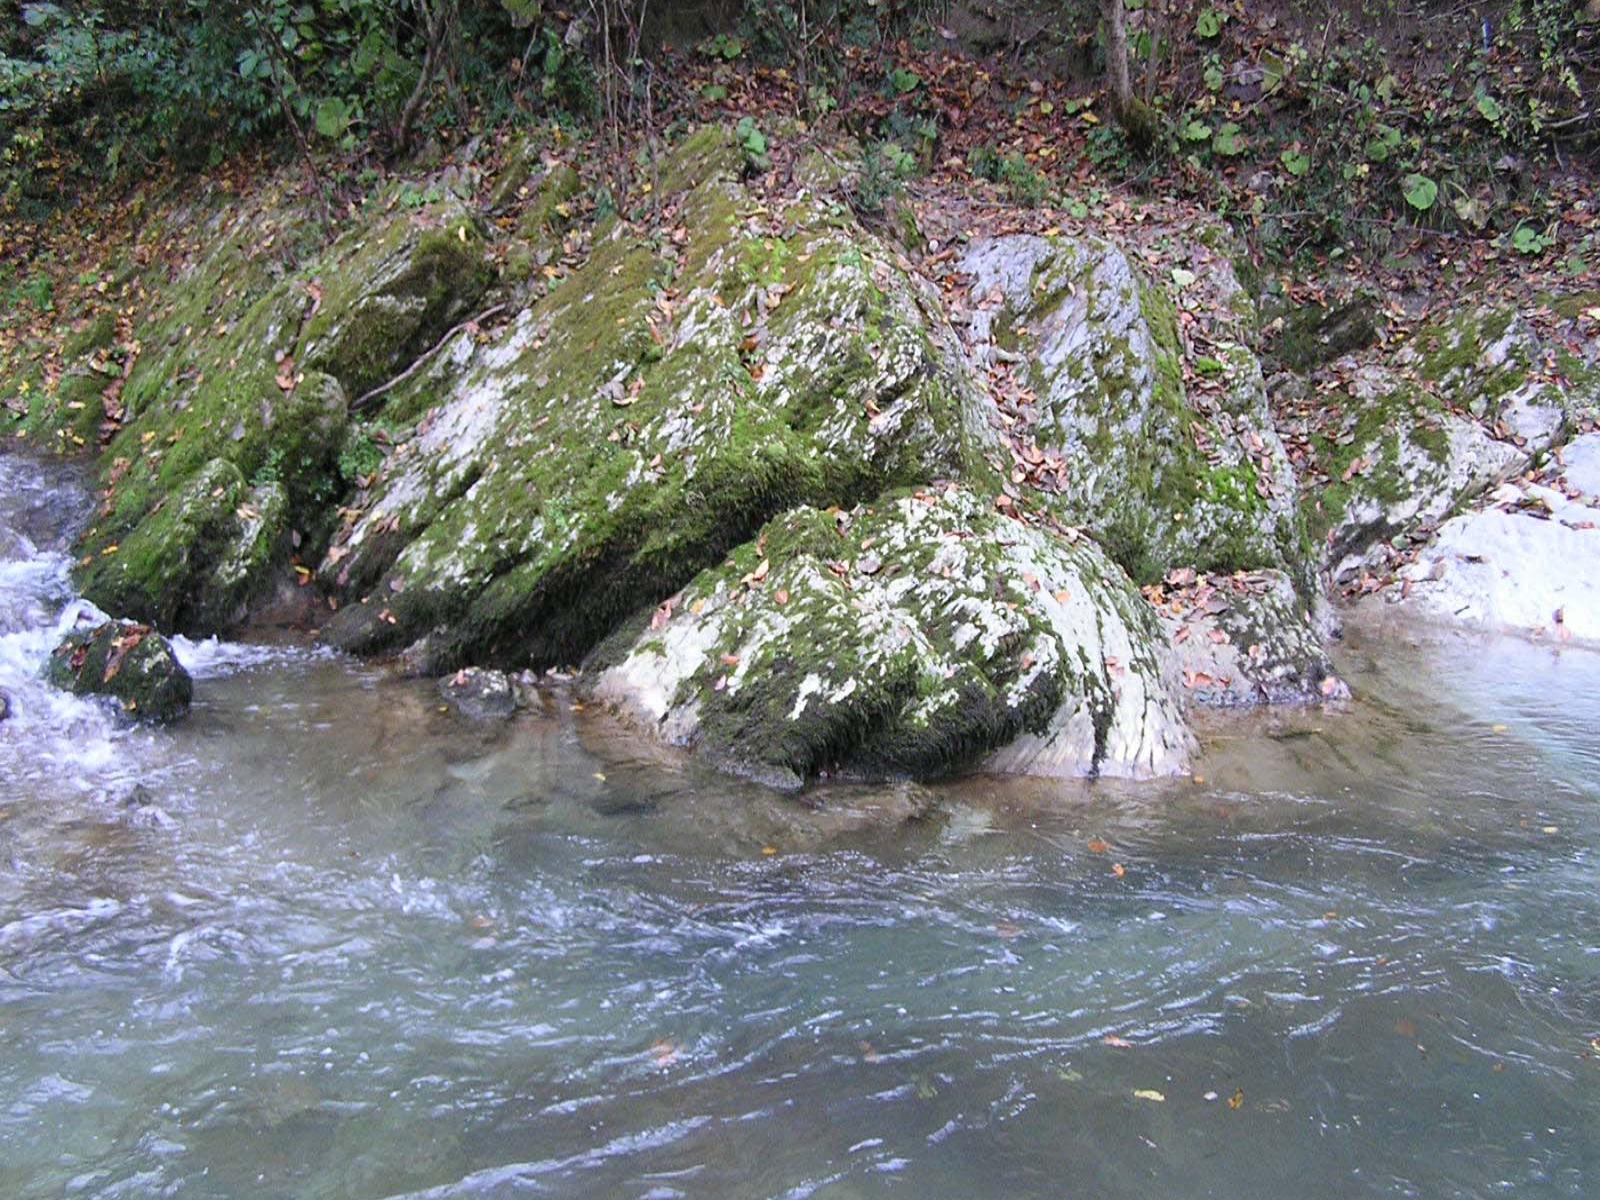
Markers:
point(128, 662)
point(479, 694)
point(5, 706)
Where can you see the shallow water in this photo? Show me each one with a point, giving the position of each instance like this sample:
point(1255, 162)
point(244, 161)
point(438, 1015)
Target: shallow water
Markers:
point(341, 945)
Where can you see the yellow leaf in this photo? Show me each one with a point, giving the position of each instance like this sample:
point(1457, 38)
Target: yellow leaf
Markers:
point(1152, 1094)
point(1236, 1101)
point(1090, 118)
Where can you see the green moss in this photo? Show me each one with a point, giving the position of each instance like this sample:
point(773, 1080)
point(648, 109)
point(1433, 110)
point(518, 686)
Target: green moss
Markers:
point(229, 396)
point(548, 209)
point(391, 292)
point(708, 153)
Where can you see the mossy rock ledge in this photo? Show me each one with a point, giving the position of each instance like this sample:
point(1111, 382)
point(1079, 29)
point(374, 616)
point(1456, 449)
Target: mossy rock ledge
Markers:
point(127, 662)
point(1402, 445)
point(237, 410)
point(919, 634)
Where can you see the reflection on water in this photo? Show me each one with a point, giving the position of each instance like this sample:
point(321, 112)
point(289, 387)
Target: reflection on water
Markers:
point(341, 945)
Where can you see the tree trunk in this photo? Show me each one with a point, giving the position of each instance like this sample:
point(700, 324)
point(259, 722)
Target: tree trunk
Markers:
point(1116, 18)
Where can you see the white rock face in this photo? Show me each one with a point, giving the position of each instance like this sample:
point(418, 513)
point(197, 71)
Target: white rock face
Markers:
point(1580, 465)
point(1529, 563)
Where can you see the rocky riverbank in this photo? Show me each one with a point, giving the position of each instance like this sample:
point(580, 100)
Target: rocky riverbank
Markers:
point(809, 496)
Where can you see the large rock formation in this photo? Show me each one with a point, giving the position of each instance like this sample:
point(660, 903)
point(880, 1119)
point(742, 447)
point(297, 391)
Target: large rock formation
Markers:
point(236, 412)
point(920, 633)
point(817, 515)
point(646, 417)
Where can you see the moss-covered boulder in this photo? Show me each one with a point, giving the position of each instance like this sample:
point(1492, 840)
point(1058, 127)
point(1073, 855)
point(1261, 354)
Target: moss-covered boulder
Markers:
point(1388, 458)
point(1398, 446)
point(1164, 473)
point(238, 407)
point(668, 397)
point(1490, 364)
point(388, 290)
point(128, 662)
point(918, 634)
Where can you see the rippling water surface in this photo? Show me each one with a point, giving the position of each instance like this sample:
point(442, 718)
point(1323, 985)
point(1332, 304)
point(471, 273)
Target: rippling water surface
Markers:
point(322, 940)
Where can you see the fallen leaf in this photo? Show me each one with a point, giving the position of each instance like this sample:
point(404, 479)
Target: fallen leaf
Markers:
point(1236, 1101)
point(1152, 1094)
point(1098, 845)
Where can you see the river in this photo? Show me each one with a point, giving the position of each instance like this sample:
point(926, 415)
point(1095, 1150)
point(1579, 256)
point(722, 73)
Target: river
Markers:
point(325, 940)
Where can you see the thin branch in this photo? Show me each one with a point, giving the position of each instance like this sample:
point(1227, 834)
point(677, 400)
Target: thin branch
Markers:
point(366, 398)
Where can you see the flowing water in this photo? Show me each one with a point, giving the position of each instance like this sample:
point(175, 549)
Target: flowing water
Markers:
point(323, 940)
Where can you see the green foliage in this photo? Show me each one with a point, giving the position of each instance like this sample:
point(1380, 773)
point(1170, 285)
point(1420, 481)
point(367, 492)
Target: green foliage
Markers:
point(106, 88)
point(754, 145)
point(1024, 184)
point(1420, 191)
point(902, 81)
point(1530, 240)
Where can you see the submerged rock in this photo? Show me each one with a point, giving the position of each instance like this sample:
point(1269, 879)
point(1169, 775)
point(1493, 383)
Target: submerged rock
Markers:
point(128, 662)
point(919, 634)
point(5, 704)
point(1244, 640)
point(1163, 473)
point(479, 694)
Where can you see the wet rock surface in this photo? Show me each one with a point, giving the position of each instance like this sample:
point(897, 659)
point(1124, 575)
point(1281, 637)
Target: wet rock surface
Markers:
point(128, 662)
point(479, 694)
point(1244, 640)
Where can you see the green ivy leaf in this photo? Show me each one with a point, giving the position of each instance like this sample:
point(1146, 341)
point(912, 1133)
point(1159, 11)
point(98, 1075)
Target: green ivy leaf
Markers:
point(1296, 162)
point(1196, 131)
point(904, 81)
point(333, 117)
point(1229, 141)
point(713, 92)
point(1420, 191)
point(1208, 24)
point(1490, 108)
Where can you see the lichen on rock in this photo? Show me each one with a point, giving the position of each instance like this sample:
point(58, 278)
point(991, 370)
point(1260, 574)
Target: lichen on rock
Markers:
point(914, 635)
